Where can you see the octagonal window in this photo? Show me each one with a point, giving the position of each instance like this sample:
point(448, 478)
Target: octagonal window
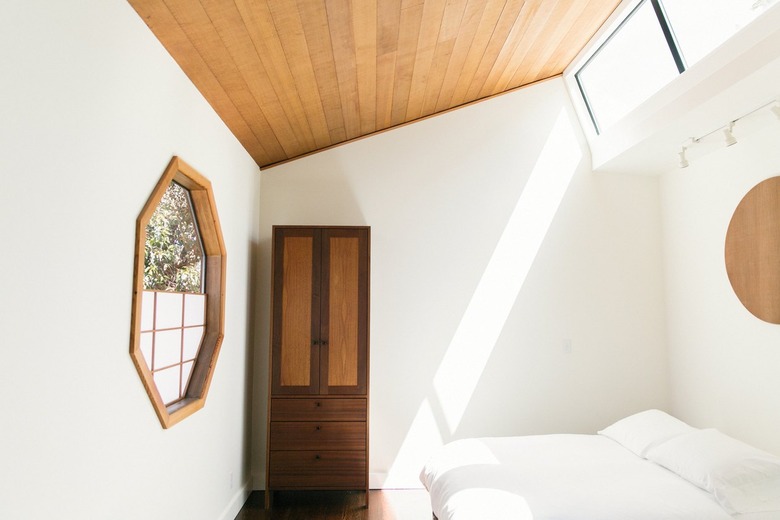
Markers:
point(178, 297)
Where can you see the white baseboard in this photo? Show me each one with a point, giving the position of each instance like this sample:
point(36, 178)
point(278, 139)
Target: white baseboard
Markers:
point(237, 502)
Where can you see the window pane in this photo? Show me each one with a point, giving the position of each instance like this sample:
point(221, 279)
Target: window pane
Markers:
point(630, 67)
point(147, 310)
point(701, 25)
point(173, 254)
point(167, 382)
point(146, 346)
point(186, 370)
point(169, 313)
point(194, 309)
point(167, 348)
point(192, 339)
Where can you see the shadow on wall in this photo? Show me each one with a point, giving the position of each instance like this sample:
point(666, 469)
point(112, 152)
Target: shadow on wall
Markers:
point(326, 185)
point(440, 413)
point(320, 189)
point(256, 267)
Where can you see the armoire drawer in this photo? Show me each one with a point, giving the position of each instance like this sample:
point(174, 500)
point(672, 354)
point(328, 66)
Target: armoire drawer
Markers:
point(314, 409)
point(318, 435)
point(317, 469)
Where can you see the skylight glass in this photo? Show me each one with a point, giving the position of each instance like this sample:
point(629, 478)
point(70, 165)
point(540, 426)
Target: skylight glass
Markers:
point(657, 41)
point(629, 68)
point(702, 25)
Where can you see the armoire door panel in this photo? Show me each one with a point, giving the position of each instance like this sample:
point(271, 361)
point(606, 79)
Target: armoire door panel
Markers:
point(296, 313)
point(344, 317)
point(343, 312)
point(296, 310)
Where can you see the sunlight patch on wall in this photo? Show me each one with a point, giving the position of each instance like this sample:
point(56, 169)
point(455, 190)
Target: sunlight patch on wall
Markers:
point(486, 314)
point(440, 414)
point(422, 437)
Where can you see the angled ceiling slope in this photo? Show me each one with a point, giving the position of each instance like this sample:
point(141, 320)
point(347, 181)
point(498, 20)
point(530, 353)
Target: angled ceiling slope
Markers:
point(291, 77)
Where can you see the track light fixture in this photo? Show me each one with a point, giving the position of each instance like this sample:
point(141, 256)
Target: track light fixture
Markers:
point(776, 109)
point(729, 135)
point(683, 160)
point(728, 131)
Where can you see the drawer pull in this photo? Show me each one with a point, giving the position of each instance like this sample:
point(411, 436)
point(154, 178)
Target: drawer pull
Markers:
point(317, 404)
point(317, 457)
point(317, 427)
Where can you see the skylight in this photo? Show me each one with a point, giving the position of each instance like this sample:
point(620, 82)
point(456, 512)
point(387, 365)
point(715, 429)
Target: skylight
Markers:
point(655, 42)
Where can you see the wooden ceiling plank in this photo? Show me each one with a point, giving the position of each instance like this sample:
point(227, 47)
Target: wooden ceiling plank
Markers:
point(196, 23)
point(247, 123)
point(249, 34)
point(433, 13)
point(466, 34)
point(221, 92)
point(288, 42)
point(566, 16)
point(524, 35)
point(388, 16)
point(411, 18)
point(364, 27)
point(388, 25)
point(343, 41)
point(318, 40)
point(487, 23)
point(497, 41)
point(448, 34)
point(385, 72)
point(290, 77)
point(596, 12)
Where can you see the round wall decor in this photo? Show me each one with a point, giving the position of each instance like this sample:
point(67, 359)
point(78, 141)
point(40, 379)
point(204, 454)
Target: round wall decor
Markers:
point(753, 250)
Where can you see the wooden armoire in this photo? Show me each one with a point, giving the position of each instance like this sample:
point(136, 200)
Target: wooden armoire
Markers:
point(318, 405)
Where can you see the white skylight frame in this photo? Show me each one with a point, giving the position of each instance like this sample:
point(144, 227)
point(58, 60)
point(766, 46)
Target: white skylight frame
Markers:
point(589, 120)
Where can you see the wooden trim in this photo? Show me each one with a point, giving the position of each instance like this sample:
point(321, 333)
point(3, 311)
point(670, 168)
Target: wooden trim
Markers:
point(406, 123)
point(204, 208)
point(267, 495)
point(367, 232)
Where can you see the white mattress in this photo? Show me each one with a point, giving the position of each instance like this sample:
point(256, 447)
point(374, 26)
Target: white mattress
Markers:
point(558, 477)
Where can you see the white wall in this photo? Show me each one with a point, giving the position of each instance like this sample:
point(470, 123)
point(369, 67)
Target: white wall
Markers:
point(493, 247)
point(91, 110)
point(724, 361)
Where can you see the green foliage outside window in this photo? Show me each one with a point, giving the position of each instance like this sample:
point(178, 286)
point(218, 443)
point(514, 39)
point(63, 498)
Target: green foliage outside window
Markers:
point(173, 257)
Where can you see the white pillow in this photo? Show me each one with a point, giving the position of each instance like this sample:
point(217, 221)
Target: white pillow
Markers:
point(742, 478)
point(644, 430)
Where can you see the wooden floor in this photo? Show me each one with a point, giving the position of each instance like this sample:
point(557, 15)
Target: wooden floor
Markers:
point(406, 504)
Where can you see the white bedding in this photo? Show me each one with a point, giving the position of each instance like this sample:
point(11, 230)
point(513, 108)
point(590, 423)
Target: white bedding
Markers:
point(559, 477)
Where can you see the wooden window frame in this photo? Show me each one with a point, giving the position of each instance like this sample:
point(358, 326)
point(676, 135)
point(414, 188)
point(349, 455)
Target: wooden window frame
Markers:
point(215, 258)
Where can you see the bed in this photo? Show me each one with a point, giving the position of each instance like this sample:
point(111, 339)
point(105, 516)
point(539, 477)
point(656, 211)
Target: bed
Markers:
point(649, 466)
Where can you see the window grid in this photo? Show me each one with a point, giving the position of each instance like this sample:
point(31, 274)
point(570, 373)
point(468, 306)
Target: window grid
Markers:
point(185, 323)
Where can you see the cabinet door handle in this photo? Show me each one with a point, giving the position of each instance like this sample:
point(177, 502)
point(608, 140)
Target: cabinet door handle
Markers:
point(324, 343)
point(315, 342)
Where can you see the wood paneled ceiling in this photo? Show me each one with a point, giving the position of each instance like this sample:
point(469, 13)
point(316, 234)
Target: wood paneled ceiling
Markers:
point(291, 77)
